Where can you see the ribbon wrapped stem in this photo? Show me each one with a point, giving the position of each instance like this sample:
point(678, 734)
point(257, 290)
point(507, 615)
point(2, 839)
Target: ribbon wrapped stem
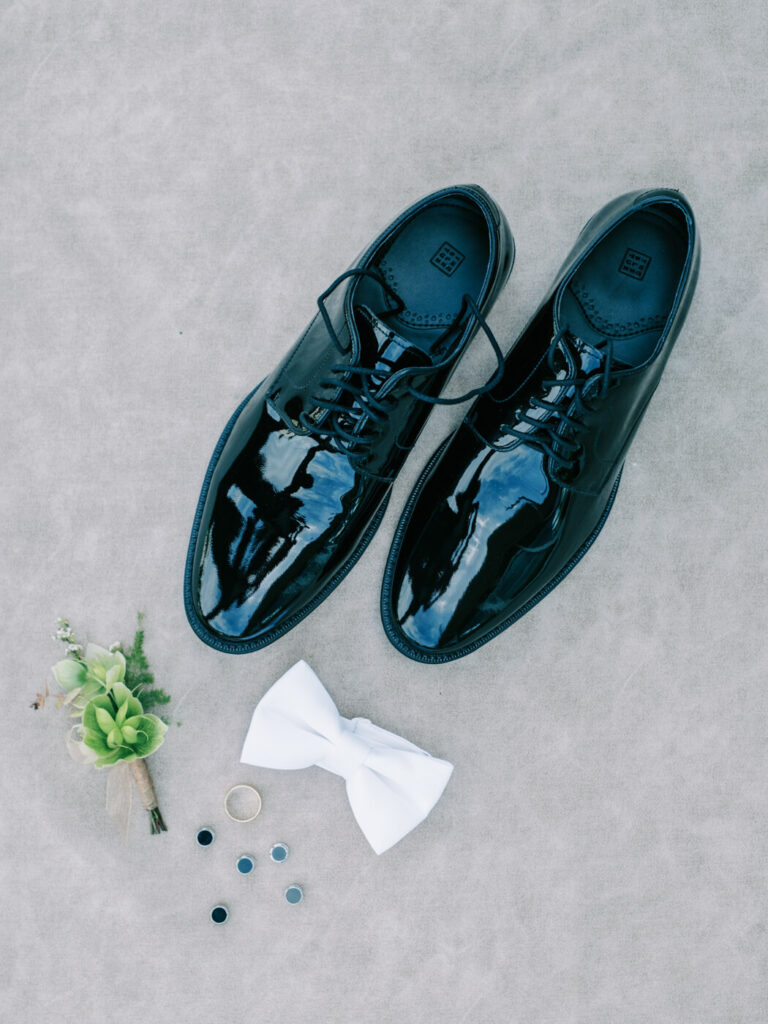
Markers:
point(141, 777)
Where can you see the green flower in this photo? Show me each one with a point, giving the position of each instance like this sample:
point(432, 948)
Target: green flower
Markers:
point(117, 729)
point(70, 673)
point(108, 667)
point(86, 678)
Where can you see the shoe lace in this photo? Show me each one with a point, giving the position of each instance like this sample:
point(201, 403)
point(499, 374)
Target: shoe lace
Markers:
point(362, 384)
point(564, 413)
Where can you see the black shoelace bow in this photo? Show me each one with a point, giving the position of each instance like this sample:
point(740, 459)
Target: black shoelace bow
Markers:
point(356, 381)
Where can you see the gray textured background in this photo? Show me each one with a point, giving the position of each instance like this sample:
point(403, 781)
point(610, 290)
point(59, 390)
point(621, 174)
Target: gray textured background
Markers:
point(178, 182)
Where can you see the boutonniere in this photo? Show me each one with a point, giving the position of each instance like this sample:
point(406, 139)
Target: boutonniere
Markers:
point(109, 692)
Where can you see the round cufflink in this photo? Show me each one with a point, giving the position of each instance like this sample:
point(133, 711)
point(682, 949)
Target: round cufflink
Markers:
point(246, 862)
point(279, 853)
point(242, 802)
point(205, 836)
point(219, 914)
point(294, 894)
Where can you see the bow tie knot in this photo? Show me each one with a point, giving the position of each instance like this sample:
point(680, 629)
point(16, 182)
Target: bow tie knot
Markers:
point(392, 784)
point(348, 752)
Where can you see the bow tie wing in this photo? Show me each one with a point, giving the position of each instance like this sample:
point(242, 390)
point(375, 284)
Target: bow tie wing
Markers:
point(396, 787)
point(294, 724)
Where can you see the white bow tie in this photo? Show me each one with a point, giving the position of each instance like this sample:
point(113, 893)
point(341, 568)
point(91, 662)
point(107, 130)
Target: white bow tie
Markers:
point(392, 785)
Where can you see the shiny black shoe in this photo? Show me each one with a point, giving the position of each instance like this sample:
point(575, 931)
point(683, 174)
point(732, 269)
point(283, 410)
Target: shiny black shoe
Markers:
point(301, 476)
point(508, 505)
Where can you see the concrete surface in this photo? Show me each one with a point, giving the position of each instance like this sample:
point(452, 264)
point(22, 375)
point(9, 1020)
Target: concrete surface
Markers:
point(178, 182)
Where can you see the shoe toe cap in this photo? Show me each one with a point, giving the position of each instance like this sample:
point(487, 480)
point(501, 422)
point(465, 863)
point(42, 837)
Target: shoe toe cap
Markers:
point(250, 574)
point(228, 598)
point(262, 560)
point(458, 575)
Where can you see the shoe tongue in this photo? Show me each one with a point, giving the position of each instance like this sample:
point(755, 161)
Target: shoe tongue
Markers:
point(382, 348)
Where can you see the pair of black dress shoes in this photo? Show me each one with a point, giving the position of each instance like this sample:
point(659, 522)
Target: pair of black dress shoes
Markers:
point(507, 505)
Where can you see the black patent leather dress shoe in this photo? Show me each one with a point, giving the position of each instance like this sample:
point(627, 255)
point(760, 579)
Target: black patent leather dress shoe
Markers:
point(300, 478)
point(508, 505)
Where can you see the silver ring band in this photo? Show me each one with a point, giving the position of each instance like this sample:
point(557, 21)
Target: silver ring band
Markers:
point(253, 812)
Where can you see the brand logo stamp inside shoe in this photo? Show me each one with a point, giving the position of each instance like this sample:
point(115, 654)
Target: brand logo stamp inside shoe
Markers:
point(635, 264)
point(447, 259)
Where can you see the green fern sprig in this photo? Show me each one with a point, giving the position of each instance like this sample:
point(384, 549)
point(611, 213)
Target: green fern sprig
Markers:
point(139, 677)
point(154, 698)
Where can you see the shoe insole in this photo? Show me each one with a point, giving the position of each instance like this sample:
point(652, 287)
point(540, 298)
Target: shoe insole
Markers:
point(440, 255)
point(625, 288)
